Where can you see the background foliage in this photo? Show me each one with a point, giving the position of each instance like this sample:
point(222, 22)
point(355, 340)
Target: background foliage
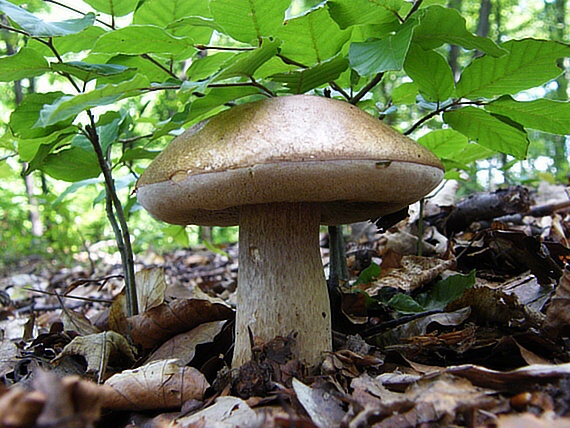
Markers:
point(94, 96)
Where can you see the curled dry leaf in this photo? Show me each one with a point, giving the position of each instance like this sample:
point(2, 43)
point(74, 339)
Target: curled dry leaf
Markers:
point(164, 384)
point(98, 348)
point(151, 286)
point(324, 409)
point(227, 412)
point(20, 408)
point(162, 322)
point(69, 401)
point(557, 322)
point(183, 345)
point(414, 272)
point(76, 321)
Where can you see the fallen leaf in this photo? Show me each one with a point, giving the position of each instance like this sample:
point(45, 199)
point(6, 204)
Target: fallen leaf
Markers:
point(557, 322)
point(76, 321)
point(324, 409)
point(162, 322)
point(183, 346)
point(151, 286)
point(70, 401)
point(164, 384)
point(97, 349)
point(226, 412)
point(20, 408)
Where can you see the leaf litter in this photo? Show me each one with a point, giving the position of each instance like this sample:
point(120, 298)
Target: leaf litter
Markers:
point(473, 333)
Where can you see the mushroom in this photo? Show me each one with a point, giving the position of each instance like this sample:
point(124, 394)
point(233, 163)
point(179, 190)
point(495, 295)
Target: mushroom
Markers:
point(279, 168)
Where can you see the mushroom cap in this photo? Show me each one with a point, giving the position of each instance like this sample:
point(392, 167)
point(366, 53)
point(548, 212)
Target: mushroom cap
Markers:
point(297, 148)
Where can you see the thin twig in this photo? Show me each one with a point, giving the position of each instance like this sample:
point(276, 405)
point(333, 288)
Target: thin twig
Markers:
point(367, 88)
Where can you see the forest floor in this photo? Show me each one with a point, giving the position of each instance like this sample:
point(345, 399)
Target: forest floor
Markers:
point(472, 333)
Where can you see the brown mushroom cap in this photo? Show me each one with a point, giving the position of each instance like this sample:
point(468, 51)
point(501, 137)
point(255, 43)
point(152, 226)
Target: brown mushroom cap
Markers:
point(287, 149)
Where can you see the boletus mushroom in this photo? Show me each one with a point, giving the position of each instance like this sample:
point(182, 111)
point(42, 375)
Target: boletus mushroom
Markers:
point(279, 168)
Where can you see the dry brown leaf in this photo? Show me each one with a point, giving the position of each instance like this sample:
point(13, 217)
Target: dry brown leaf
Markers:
point(20, 408)
point(528, 420)
point(160, 323)
point(162, 384)
point(183, 346)
point(97, 349)
point(76, 321)
point(227, 412)
point(557, 322)
point(324, 409)
point(70, 401)
point(414, 272)
point(151, 286)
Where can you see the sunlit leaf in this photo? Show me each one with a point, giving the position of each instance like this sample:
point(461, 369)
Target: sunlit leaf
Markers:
point(27, 113)
point(86, 71)
point(377, 56)
point(249, 20)
point(448, 144)
point(312, 38)
point(179, 17)
point(37, 27)
point(347, 13)
point(143, 39)
point(431, 72)
point(70, 106)
point(301, 81)
point(528, 64)
point(245, 63)
point(441, 25)
point(405, 93)
point(113, 7)
point(72, 164)
point(542, 114)
point(25, 63)
point(203, 67)
point(488, 131)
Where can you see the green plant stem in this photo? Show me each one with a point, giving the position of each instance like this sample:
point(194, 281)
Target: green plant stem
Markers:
point(116, 217)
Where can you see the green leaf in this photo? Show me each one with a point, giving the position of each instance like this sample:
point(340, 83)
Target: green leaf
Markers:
point(431, 72)
point(528, 64)
point(488, 131)
point(25, 63)
point(246, 63)
point(446, 291)
point(348, 13)
point(249, 20)
point(182, 18)
point(32, 150)
point(405, 93)
point(86, 71)
point(301, 81)
point(138, 153)
point(441, 25)
point(178, 234)
point(542, 114)
point(198, 28)
point(377, 56)
point(312, 38)
point(448, 144)
point(27, 113)
point(368, 275)
point(70, 106)
point(405, 304)
point(203, 67)
point(72, 188)
point(113, 7)
point(143, 39)
point(150, 69)
point(37, 27)
point(74, 164)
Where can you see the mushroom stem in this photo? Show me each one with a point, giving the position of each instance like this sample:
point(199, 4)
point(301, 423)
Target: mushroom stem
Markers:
point(281, 283)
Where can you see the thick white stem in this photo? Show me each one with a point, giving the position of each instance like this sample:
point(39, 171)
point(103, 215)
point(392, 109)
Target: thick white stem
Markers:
point(281, 284)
